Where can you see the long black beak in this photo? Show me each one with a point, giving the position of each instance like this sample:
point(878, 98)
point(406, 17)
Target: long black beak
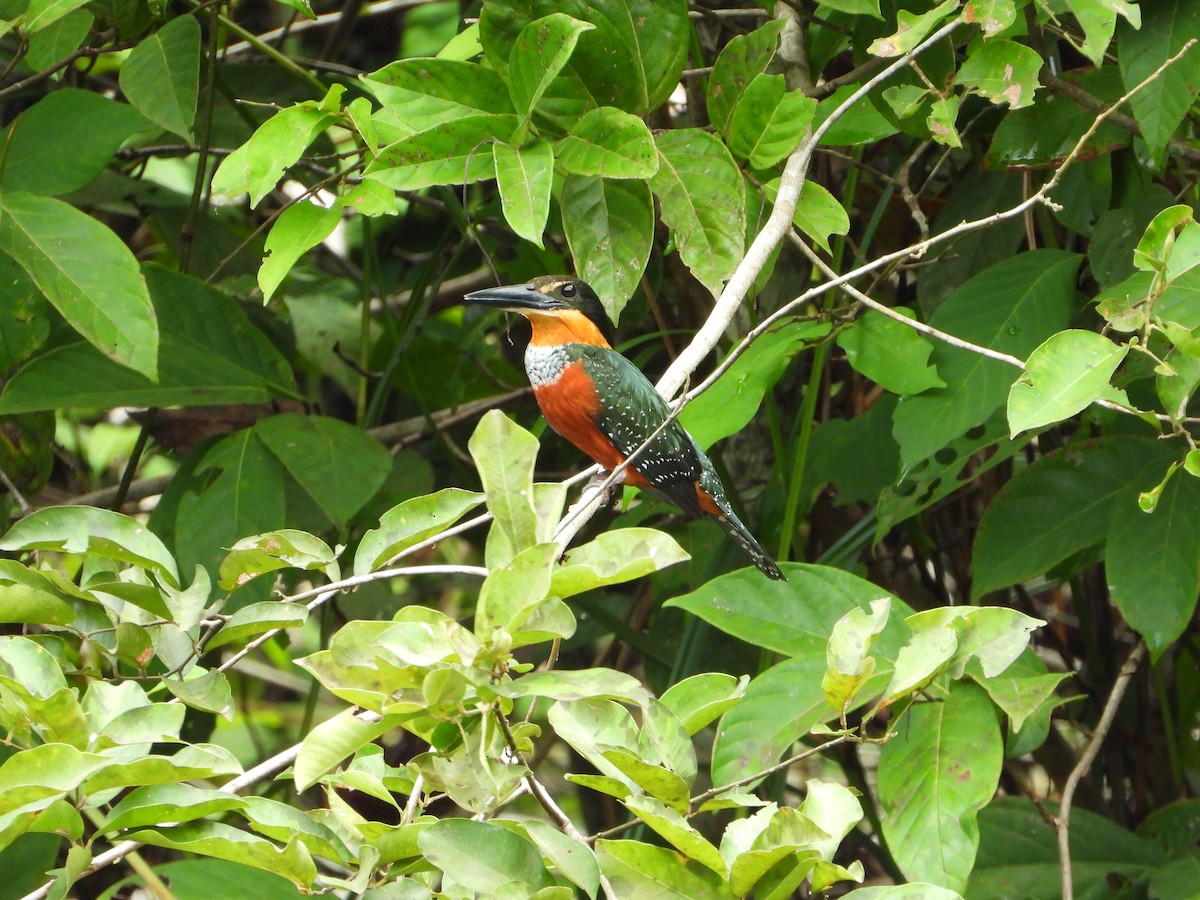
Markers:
point(513, 296)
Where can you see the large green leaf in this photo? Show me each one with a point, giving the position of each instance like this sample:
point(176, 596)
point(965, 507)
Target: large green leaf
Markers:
point(890, 353)
point(235, 489)
point(1061, 505)
point(298, 229)
point(934, 776)
point(703, 202)
point(632, 58)
point(482, 856)
point(161, 75)
point(640, 870)
point(769, 121)
point(101, 532)
point(87, 272)
point(410, 523)
point(421, 93)
point(65, 140)
point(1012, 307)
point(211, 353)
point(1018, 853)
point(505, 453)
point(610, 230)
point(524, 176)
point(734, 399)
point(256, 167)
point(1003, 71)
point(453, 152)
point(41, 13)
point(615, 557)
point(1062, 377)
point(538, 55)
point(1162, 105)
point(1152, 561)
point(610, 143)
point(226, 842)
point(739, 62)
point(340, 466)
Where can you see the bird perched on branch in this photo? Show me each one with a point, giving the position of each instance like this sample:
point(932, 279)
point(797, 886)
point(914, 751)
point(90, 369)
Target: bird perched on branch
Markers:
point(599, 401)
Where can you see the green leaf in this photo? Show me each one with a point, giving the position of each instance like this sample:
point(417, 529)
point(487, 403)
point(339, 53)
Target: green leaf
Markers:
point(739, 62)
point(41, 13)
point(946, 638)
point(934, 777)
point(1018, 853)
point(525, 176)
point(850, 665)
point(609, 143)
point(538, 55)
point(226, 842)
point(332, 741)
point(211, 353)
point(452, 152)
point(610, 229)
point(421, 93)
point(161, 75)
point(639, 870)
point(481, 856)
point(235, 489)
point(410, 523)
point(257, 166)
point(703, 202)
point(256, 619)
point(1060, 505)
point(87, 272)
point(862, 123)
point(1098, 19)
point(20, 603)
point(53, 43)
point(615, 557)
point(208, 691)
point(729, 405)
point(1161, 106)
point(338, 465)
point(298, 229)
point(1152, 561)
point(161, 803)
point(512, 591)
point(819, 214)
point(699, 700)
point(912, 29)
point(576, 685)
point(1003, 71)
point(793, 617)
point(632, 59)
point(574, 859)
point(890, 353)
point(287, 548)
point(99, 532)
point(769, 121)
point(1012, 307)
point(33, 779)
point(673, 828)
point(1158, 239)
point(1062, 377)
point(504, 454)
point(62, 142)
point(1020, 696)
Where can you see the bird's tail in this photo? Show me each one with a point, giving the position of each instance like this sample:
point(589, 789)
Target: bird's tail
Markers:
point(743, 538)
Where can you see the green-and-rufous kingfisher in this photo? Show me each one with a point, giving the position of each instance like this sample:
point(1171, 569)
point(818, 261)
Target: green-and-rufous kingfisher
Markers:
point(599, 401)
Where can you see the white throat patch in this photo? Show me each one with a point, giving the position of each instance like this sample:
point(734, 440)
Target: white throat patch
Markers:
point(545, 364)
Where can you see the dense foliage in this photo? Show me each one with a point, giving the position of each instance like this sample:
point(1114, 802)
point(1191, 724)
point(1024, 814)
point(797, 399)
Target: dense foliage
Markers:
point(290, 599)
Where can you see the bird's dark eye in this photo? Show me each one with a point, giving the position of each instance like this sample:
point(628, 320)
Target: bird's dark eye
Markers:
point(567, 290)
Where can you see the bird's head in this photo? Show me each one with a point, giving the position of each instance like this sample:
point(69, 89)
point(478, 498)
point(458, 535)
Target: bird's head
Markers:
point(561, 309)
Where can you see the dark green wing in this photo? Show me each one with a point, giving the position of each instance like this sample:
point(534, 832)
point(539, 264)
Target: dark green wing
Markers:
point(632, 410)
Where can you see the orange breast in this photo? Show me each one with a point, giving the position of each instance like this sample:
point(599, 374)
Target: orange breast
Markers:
point(571, 405)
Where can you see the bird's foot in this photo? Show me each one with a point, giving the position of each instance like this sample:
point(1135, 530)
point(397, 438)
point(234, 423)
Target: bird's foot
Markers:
point(612, 494)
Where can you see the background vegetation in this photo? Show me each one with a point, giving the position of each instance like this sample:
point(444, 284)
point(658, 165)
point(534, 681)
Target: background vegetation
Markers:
point(286, 601)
